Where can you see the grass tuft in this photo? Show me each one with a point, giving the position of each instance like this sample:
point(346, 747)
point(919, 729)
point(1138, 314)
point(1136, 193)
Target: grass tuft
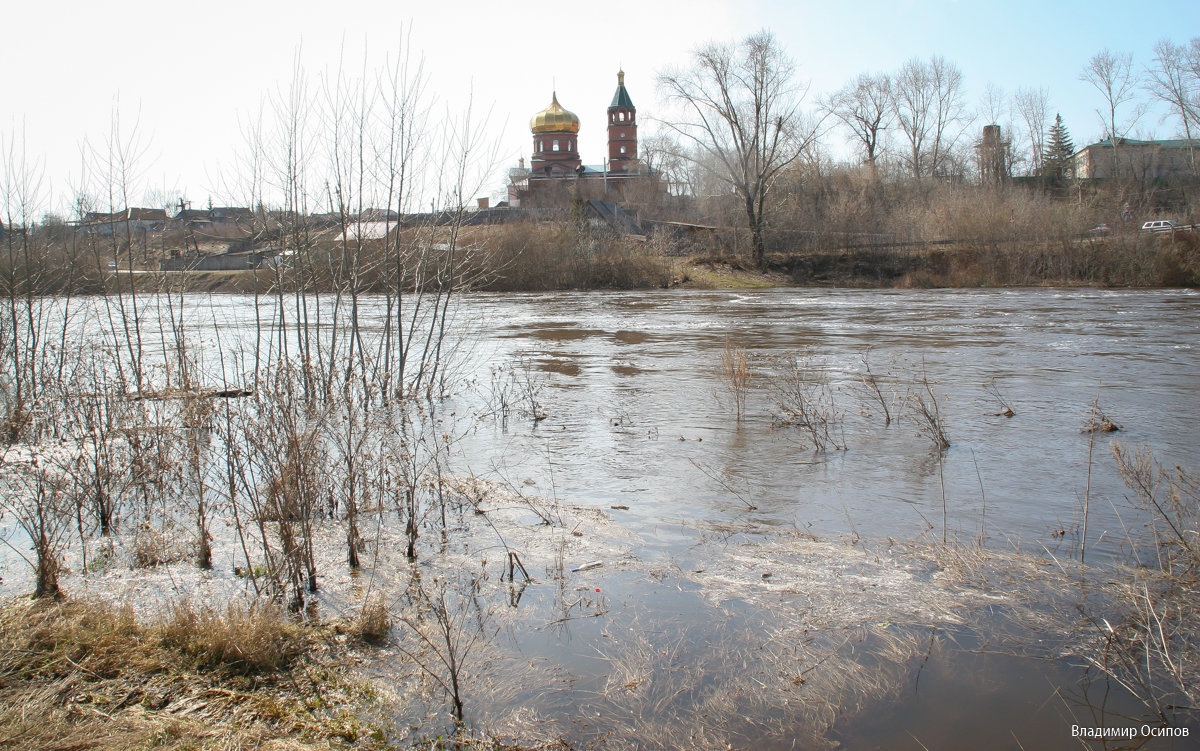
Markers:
point(245, 639)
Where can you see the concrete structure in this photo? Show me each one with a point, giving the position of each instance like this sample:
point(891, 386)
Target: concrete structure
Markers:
point(232, 261)
point(993, 150)
point(1138, 160)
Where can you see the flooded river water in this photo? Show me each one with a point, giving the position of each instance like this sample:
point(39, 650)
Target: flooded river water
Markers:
point(637, 413)
point(756, 593)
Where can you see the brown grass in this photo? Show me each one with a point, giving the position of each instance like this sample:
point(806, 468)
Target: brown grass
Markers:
point(562, 255)
point(373, 621)
point(735, 372)
point(245, 639)
point(85, 675)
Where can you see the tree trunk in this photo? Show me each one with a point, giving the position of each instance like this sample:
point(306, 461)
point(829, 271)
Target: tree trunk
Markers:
point(756, 233)
point(47, 571)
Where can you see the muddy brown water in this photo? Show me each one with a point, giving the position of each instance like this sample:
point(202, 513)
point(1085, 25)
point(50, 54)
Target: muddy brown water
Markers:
point(638, 416)
point(701, 627)
point(634, 402)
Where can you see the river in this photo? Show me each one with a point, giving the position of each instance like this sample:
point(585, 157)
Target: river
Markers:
point(727, 538)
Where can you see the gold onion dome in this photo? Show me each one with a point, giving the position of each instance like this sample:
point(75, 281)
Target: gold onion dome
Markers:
point(554, 119)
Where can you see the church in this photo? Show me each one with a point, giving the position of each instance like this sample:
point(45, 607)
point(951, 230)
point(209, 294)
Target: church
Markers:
point(557, 177)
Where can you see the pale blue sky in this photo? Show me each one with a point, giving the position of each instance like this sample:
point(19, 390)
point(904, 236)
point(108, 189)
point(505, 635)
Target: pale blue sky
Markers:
point(191, 74)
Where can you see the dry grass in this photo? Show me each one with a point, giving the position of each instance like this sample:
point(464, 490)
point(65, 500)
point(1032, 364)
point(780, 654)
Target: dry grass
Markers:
point(735, 372)
point(157, 547)
point(1150, 644)
point(562, 255)
point(373, 622)
point(84, 675)
point(245, 639)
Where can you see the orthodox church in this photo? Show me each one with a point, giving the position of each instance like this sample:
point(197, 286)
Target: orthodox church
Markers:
point(556, 175)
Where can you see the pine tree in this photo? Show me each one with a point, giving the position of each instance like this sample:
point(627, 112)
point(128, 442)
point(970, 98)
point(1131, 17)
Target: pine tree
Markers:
point(1056, 159)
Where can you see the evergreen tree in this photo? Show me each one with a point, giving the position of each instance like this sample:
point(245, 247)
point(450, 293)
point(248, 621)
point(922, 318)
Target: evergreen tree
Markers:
point(1056, 159)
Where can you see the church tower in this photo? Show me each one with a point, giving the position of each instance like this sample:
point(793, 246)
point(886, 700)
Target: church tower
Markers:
point(555, 141)
point(622, 131)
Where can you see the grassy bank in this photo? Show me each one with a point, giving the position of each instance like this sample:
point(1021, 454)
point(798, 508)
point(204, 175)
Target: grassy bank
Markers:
point(1127, 261)
point(88, 675)
point(77, 675)
point(1115, 263)
point(563, 255)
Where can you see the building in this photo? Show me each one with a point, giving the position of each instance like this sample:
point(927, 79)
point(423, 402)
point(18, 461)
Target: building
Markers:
point(556, 175)
point(131, 220)
point(1138, 160)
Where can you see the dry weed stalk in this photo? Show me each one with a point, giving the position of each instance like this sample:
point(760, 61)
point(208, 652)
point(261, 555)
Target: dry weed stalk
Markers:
point(1006, 409)
point(1152, 648)
point(1171, 498)
point(870, 383)
point(445, 635)
point(1098, 421)
point(927, 412)
point(804, 399)
point(735, 373)
point(516, 387)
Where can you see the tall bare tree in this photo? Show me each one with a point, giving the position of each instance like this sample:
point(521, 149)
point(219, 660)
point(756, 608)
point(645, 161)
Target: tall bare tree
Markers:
point(993, 105)
point(928, 97)
point(665, 156)
point(1177, 84)
point(1113, 75)
point(742, 112)
point(1033, 105)
point(864, 106)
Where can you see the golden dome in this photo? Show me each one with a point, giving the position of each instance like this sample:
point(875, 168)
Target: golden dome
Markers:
point(554, 119)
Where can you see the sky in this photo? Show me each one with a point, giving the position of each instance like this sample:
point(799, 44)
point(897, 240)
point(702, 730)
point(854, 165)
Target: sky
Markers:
point(188, 78)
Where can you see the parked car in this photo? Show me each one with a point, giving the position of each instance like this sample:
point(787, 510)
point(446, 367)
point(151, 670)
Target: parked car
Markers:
point(1161, 225)
point(1100, 230)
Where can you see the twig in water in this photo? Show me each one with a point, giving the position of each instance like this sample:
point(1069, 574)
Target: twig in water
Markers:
point(718, 480)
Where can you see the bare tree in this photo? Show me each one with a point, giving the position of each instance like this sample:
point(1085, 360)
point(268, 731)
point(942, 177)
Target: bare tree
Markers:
point(865, 107)
point(1033, 105)
point(1114, 77)
point(743, 115)
point(1177, 84)
point(665, 156)
point(928, 97)
point(994, 105)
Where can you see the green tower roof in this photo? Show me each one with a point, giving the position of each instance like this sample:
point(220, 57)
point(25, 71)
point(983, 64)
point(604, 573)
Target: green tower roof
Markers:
point(621, 98)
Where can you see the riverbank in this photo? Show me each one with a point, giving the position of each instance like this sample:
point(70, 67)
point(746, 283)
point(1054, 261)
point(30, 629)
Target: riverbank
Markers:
point(80, 674)
point(83, 674)
point(1130, 262)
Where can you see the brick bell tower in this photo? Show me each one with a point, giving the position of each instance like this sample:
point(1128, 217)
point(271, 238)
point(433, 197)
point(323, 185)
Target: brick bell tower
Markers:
point(622, 131)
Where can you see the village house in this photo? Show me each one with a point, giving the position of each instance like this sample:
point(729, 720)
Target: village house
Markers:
point(133, 220)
